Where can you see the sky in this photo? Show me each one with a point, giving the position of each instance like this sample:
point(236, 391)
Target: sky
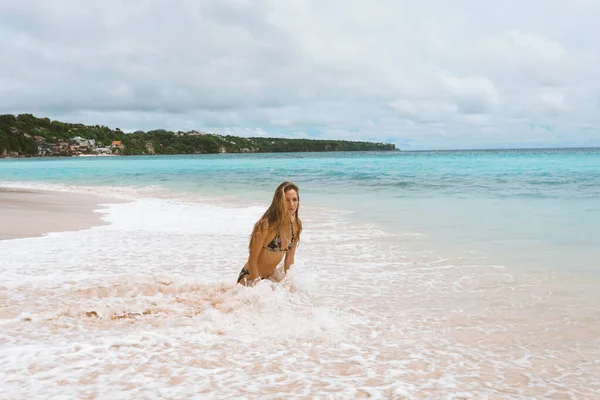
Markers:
point(427, 74)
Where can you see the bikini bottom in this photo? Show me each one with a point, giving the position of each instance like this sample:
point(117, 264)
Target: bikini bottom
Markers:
point(243, 273)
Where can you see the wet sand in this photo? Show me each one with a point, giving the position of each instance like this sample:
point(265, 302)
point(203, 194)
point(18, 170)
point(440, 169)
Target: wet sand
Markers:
point(28, 213)
point(149, 308)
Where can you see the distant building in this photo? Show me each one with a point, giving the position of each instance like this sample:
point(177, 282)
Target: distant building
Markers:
point(44, 149)
point(102, 150)
point(76, 149)
point(61, 148)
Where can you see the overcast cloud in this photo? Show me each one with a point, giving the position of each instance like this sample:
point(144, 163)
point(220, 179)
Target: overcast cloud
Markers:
point(421, 74)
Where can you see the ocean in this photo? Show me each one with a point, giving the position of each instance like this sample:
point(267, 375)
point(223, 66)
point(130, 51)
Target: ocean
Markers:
point(438, 274)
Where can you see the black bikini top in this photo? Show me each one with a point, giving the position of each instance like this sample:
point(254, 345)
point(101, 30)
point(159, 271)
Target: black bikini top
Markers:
point(275, 244)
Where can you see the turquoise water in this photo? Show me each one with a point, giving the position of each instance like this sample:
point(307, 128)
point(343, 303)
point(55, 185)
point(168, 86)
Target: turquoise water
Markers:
point(524, 208)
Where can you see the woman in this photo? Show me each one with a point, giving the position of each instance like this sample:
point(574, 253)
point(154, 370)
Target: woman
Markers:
point(275, 236)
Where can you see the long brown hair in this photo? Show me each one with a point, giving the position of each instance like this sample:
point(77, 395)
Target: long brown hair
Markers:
point(276, 215)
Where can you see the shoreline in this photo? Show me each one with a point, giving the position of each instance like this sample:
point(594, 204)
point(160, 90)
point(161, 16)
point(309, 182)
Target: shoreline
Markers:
point(33, 213)
point(146, 276)
point(27, 156)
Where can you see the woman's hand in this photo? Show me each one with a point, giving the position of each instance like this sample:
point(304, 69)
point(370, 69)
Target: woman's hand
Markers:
point(254, 281)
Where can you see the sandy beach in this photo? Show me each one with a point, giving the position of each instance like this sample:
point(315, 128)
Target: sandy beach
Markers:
point(147, 307)
point(28, 213)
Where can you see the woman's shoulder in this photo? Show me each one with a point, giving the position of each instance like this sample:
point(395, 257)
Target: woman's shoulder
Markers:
point(263, 226)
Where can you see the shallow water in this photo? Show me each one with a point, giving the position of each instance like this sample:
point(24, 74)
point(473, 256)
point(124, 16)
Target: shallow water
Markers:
point(533, 209)
point(146, 307)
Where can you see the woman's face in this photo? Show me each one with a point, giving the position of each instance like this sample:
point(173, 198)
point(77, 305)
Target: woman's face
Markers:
point(291, 201)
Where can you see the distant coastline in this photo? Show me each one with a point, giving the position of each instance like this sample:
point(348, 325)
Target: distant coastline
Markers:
point(25, 135)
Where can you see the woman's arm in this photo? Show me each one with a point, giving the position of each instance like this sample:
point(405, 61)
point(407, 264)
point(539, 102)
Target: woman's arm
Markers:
point(255, 249)
point(289, 256)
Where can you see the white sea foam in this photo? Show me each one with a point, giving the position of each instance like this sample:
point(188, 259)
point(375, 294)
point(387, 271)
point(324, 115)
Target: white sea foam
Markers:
point(147, 307)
